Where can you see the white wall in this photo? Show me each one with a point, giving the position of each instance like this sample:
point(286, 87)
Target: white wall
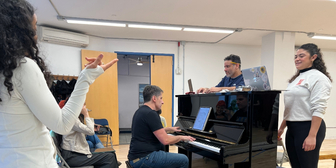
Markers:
point(203, 63)
point(329, 57)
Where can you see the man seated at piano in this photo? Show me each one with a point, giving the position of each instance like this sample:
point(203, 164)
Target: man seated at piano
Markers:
point(233, 78)
point(241, 115)
point(148, 135)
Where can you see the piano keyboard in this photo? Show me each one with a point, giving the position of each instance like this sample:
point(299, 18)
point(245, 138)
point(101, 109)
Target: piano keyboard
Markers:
point(207, 137)
point(203, 145)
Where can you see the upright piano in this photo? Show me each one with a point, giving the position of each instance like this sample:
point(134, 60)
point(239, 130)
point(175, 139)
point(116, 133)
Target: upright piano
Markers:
point(240, 133)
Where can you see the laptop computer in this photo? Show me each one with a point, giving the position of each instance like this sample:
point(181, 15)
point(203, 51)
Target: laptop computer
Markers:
point(190, 86)
point(257, 78)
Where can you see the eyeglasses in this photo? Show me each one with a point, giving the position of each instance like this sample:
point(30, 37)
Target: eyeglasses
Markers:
point(228, 66)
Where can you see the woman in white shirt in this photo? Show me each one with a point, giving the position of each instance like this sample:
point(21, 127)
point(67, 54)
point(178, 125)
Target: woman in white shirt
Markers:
point(27, 106)
point(76, 150)
point(305, 104)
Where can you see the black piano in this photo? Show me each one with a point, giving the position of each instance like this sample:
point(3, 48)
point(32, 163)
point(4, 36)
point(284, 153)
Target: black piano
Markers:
point(241, 131)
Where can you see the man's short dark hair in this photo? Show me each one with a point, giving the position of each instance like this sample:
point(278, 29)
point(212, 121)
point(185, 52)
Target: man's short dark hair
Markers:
point(150, 91)
point(233, 58)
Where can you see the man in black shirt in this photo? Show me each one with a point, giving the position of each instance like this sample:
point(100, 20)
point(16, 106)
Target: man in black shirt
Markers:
point(149, 136)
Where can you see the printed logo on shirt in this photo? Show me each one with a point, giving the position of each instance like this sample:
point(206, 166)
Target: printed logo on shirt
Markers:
point(300, 81)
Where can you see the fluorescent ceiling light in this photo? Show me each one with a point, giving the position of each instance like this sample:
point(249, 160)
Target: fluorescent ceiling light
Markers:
point(209, 30)
point(100, 23)
point(324, 37)
point(154, 27)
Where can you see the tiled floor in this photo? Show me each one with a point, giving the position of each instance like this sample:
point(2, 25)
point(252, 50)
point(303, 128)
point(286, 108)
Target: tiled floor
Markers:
point(199, 161)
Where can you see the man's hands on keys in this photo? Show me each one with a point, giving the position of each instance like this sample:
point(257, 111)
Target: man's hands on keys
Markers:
point(203, 90)
point(207, 90)
point(188, 138)
point(175, 129)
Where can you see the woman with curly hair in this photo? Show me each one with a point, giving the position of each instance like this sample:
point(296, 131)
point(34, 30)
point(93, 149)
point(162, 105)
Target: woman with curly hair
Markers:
point(305, 104)
point(27, 107)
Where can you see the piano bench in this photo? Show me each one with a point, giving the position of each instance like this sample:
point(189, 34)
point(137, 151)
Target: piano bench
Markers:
point(328, 155)
point(128, 165)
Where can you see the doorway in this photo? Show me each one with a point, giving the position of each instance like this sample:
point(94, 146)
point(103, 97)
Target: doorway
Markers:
point(135, 71)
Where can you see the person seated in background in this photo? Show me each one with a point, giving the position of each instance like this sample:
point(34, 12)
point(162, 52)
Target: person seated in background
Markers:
point(222, 113)
point(241, 115)
point(163, 120)
point(76, 151)
point(93, 140)
point(232, 79)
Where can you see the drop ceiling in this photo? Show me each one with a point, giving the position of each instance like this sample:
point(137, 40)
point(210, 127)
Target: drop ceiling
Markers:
point(257, 18)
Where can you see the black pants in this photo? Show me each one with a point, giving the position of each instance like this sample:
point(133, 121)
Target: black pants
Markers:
point(98, 160)
point(297, 132)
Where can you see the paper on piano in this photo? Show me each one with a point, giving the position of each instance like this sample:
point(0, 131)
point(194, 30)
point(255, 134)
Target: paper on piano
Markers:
point(224, 91)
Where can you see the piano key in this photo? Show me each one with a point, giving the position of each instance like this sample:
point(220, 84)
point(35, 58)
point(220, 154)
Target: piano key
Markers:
point(202, 145)
point(205, 146)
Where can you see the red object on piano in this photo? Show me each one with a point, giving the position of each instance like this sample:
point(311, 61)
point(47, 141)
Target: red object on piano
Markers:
point(189, 93)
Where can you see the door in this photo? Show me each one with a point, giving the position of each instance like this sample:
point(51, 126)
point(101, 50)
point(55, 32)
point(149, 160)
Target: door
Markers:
point(162, 76)
point(102, 97)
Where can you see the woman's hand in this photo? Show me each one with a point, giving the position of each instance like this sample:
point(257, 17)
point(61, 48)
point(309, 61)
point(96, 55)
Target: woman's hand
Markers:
point(280, 132)
point(96, 127)
point(309, 143)
point(94, 62)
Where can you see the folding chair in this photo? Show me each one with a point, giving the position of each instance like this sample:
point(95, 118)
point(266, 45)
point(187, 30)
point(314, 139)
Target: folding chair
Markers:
point(108, 133)
point(57, 142)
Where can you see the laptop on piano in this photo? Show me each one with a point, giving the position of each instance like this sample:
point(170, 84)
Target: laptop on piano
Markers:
point(257, 78)
point(191, 89)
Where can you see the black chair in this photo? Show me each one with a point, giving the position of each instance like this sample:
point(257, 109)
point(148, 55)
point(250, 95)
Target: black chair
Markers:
point(106, 130)
point(128, 164)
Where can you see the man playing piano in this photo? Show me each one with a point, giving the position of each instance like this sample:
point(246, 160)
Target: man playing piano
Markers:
point(233, 76)
point(148, 135)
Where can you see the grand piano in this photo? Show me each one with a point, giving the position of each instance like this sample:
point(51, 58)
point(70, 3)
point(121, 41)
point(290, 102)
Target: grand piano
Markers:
point(240, 133)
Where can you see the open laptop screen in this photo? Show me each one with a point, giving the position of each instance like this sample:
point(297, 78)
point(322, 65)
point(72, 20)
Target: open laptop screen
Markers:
point(202, 118)
point(191, 89)
point(257, 78)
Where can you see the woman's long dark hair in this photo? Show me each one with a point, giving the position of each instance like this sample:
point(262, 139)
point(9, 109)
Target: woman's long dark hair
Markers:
point(318, 63)
point(17, 39)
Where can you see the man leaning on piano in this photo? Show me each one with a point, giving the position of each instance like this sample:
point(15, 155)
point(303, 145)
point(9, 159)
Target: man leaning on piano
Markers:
point(233, 78)
point(149, 136)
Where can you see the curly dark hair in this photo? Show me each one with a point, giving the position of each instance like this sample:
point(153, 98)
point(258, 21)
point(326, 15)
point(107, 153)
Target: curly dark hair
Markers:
point(17, 39)
point(318, 63)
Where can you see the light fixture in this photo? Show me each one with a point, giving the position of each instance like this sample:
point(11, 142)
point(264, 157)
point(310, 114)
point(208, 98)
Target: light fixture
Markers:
point(93, 22)
point(139, 61)
point(209, 30)
point(323, 37)
point(144, 26)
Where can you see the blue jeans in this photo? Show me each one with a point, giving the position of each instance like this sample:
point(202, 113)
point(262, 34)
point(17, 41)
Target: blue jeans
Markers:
point(94, 142)
point(163, 160)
